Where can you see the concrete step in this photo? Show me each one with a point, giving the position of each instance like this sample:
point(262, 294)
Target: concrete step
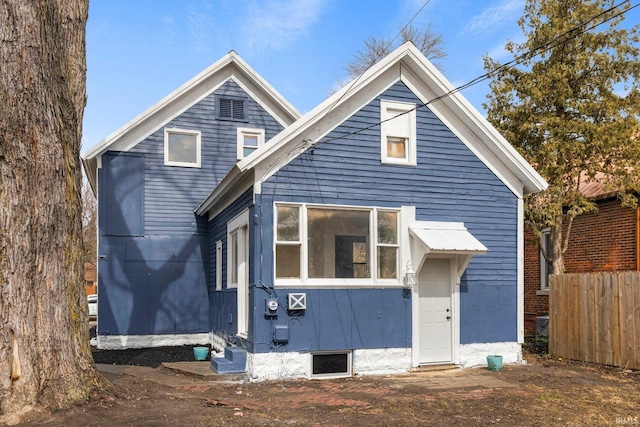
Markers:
point(234, 362)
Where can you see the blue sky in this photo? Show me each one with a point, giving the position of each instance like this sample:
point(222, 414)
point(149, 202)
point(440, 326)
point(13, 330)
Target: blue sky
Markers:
point(140, 51)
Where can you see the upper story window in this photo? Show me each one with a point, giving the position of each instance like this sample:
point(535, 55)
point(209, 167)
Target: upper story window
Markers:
point(398, 133)
point(319, 244)
point(230, 108)
point(249, 140)
point(545, 266)
point(181, 148)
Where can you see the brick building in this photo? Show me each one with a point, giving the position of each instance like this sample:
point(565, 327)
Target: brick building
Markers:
point(607, 240)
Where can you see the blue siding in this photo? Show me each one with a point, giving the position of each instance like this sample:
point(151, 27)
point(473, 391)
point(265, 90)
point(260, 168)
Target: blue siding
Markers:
point(123, 207)
point(336, 319)
point(154, 253)
point(449, 184)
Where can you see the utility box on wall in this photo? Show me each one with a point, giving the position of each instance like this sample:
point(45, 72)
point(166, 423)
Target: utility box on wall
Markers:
point(297, 301)
point(280, 334)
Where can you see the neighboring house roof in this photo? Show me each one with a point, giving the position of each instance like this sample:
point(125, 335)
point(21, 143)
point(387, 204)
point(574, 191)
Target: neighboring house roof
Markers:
point(231, 66)
point(593, 188)
point(411, 67)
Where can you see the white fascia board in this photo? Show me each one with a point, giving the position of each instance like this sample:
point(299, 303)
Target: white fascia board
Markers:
point(470, 126)
point(231, 66)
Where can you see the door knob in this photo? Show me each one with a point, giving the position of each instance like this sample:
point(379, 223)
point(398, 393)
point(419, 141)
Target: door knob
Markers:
point(448, 317)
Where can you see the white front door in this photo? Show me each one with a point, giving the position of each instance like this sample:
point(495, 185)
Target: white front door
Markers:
point(435, 317)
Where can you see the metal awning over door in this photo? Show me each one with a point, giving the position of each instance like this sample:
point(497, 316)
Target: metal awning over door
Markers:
point(434, 237)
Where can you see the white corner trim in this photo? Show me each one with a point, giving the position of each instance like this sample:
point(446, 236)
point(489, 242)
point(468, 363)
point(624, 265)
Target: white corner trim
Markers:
point(121, 342)
point(520, 272)
point(476, 354)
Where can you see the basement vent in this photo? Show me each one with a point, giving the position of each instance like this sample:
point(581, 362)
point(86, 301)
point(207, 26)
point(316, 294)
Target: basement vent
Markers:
point(331, 365)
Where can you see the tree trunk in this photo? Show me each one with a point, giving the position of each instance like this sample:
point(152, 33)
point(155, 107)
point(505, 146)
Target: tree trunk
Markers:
point(45, 358)
point(557, 264)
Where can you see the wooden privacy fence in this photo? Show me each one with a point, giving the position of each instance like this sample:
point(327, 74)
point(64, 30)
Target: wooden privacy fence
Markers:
point(595, 317)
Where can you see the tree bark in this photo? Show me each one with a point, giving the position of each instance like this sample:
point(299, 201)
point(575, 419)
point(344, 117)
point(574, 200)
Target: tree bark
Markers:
point(45, 358)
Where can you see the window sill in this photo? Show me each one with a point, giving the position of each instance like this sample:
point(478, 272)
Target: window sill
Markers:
point(336, 284)
point(542, 293)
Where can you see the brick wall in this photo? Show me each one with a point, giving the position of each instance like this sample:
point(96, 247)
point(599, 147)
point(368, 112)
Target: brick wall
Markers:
point(602, 241)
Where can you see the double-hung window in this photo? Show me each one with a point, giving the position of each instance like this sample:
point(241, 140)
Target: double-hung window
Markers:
point(317, 244)
point(249, 140)
point(398, 133)
point(181, 148)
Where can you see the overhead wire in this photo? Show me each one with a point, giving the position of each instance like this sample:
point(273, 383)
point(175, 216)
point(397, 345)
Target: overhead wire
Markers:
point(556, 41)
point(375, 61)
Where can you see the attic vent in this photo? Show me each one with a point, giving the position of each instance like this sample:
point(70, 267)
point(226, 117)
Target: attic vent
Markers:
point(231, 109)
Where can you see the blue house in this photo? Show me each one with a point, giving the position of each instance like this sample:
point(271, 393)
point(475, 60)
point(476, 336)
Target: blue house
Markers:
point(379, 232)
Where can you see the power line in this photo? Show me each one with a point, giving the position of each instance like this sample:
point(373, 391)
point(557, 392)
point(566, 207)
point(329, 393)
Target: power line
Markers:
point(556, 41)
point(375, 61)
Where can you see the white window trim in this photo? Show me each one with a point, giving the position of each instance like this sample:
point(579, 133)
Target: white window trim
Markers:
point(219, 265)
point(233, 226)
point(240, 139)
point(410, 110)
point(544, 290)
point(306, 281)
point(167, 162)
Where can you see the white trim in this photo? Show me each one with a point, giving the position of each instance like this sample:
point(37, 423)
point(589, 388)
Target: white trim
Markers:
point(236, 226)
point(219, 265)
point(520, 272)
point(197, 134)
point(401, 112)
point(476, 354)
point(121, 342)
point(233, 226)
point(413, 68)
point(241, 132)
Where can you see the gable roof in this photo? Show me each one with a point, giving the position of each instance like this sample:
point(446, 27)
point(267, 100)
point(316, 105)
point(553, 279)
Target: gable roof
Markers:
point(231, 66)
point(408, 65)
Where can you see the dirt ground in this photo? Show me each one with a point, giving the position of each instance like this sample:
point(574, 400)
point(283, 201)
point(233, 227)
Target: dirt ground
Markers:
point(544, 392)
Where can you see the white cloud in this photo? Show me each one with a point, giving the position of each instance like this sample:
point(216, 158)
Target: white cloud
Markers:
point(492, 18)
point(276, 23)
